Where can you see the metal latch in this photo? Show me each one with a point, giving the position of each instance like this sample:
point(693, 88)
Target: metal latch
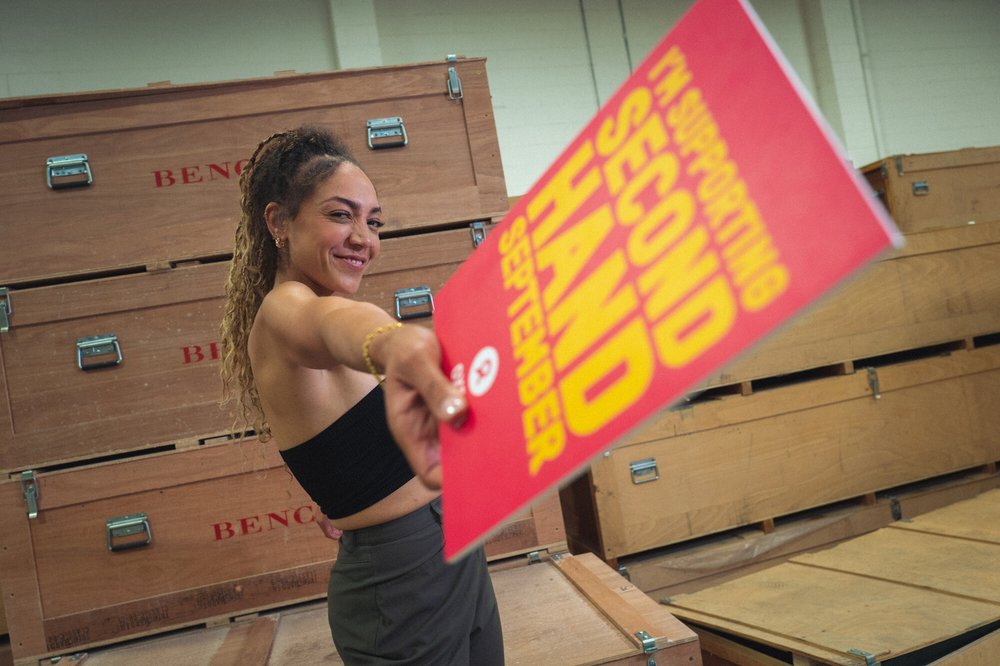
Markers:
point(644, 471)
point(414, 302)
point(869, 658)
point(100, 351)
point(454, 83)
point(647, 642)
point(30, 492)
point(478, 233)
point(534, 557)
point(873, 382)
point(386, 133)
point(124, 527)
point(921, 188)
point(64, 171)
point(6, 308)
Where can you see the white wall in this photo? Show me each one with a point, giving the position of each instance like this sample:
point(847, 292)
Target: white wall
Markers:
point(891, 76)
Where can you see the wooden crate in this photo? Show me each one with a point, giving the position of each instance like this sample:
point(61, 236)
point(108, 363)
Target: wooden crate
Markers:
point(567, 611)
point(742, 459)
point(134, 547)
point(943, 285)
point(698, 564)
point(925, 588)
point(943, 189)
point(165, 161)
point(166, 389)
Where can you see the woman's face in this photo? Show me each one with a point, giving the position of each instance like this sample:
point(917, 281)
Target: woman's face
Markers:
point(334, 237)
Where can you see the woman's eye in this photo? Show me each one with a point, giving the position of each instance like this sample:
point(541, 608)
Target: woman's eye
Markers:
point(376, 224)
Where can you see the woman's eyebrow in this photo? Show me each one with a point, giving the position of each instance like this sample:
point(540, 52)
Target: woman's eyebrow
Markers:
point(352, 204)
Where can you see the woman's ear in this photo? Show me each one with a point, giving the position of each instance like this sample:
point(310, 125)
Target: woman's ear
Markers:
point(275, 220)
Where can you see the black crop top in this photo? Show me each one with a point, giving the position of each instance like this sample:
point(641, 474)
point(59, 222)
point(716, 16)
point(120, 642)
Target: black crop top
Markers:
point(352, 464)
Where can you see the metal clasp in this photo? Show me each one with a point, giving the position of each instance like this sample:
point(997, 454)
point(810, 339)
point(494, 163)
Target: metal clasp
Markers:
point(30, 492)
point(418, 300)
point(873, 383)
point(386, 133)
point(478, 230)
point(6, 308)
point(127, 526)
point(104, 348)
point(454, 83)
point(63, 171)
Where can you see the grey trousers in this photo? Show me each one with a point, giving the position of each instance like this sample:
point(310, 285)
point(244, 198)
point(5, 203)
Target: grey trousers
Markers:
point(393, 600)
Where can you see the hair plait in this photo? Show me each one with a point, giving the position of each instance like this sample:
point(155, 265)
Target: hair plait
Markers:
point(284, 169)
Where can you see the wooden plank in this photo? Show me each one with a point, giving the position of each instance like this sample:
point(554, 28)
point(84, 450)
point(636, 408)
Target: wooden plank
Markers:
point(959, 567)
point(247, 642)
point(823, 614)
point(303, 637)
point(696, 565)
point(624, 604)
point(546, 620)
point(946, 288)
point(739, 460)
point(720, 651)
point(977, 518)
point(19, 579)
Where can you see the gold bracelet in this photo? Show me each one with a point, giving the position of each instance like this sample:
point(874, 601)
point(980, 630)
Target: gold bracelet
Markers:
point(366, 348)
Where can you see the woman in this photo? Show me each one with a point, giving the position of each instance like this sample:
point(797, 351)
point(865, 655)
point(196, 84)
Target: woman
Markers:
point(305, 364)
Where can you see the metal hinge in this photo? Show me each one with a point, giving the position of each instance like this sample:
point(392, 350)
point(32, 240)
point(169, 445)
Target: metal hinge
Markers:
point(534, 557)
point(454, 83)
point(30, 492)
point(6, 308)
point(623, 571)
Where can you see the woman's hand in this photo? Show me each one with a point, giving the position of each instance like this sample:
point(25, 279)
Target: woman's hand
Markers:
point(328, 529)
point(418, 395)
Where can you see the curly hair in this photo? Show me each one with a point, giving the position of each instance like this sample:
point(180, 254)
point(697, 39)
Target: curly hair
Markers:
point(285, 168)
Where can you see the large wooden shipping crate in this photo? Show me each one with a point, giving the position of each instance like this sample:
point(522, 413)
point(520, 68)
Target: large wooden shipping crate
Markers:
point(942, 286)
point(929, 190)
point(128, 363)
point(132, 547)
point(149, 177)
point(718, 464)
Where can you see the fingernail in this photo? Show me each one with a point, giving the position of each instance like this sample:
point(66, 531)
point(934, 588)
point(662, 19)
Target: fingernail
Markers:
point(452, 406)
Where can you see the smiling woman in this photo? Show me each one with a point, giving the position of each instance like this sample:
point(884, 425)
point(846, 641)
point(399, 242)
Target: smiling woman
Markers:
point(352, 400)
